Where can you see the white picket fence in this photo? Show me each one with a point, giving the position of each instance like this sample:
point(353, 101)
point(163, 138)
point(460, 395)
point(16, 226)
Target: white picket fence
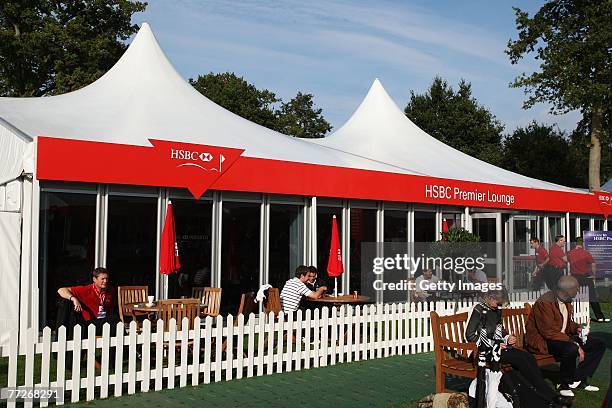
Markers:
point(225, 349)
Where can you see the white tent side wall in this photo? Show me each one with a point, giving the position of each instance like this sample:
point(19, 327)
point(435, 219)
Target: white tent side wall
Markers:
point(16, 160)
point(10, 261)
point(13, 149)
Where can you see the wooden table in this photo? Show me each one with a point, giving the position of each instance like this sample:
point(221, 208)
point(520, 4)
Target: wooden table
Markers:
point(139, 309)
point(341, 300)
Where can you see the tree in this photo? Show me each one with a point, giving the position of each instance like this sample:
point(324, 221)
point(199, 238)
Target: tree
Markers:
point(298, 117)
point(235, 94)
point(578, 159)
point(457, 119)
point(572, 41)
point(541, 152)
point(51, 47)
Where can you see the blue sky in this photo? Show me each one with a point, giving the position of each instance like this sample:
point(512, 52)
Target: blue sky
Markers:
point(335, 49)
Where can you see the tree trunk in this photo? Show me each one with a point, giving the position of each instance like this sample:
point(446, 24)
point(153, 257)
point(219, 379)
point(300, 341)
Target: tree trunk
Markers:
point(595, 149)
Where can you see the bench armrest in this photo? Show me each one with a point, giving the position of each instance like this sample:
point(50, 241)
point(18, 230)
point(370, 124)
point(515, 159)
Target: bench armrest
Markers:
point(458, 346)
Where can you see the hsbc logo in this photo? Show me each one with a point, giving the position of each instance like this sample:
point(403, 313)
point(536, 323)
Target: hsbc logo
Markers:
point(177, 154)
point(195, 158)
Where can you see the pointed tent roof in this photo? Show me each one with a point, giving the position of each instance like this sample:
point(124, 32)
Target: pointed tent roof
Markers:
point(380, 130)
point(143, 97)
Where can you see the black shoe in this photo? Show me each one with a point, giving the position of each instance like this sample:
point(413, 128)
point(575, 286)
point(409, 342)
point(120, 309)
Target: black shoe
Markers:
point(565, 390)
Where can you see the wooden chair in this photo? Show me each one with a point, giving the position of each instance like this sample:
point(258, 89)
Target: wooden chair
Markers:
point(130, 294)
point(247, 306)
point(178, 309)
point(197, 292)
point(273, 302)
point(212, 300)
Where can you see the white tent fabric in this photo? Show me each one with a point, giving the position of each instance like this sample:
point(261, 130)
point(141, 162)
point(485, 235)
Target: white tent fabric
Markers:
point(143, 97)
point(10, 244)
point(380, 130)
point(13, 152)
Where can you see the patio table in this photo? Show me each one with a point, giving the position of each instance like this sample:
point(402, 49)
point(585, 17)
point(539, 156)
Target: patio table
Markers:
point(341, 300)
point(142, 308)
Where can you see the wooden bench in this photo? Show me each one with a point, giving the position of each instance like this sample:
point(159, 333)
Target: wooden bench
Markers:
point(453, 353)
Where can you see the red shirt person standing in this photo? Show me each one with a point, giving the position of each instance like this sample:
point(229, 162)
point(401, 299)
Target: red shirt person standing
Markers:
point(556, 263)
point(97, 302)
point(541, 260)
point(583, 268)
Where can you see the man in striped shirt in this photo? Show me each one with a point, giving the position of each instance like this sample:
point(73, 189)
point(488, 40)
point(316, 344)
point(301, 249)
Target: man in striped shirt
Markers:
point(295, 289)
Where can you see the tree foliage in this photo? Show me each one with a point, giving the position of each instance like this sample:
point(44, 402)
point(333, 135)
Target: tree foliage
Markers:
point(51, 47)
point(457, 119)
point(546, 153)
point(541, 152)
point(238, 96)
point(572, 41)
point(298, 117)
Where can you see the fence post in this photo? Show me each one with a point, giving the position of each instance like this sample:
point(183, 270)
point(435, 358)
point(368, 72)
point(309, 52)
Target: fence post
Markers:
point(61, 363)
point(146, 356)
point(91, 362)
point(13, 361)
point(45, 363)
point(229, 348)
point(105, 360)
point(195, 351)
point(119, 338)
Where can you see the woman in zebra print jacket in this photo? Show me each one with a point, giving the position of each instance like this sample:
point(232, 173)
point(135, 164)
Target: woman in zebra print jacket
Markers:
point(497, 346)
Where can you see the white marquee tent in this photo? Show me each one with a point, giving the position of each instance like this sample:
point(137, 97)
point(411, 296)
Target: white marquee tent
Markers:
point(142, 97)
point(379, 130)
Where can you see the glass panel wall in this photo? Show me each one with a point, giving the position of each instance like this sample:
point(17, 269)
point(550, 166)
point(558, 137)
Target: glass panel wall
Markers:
point(66, 245)
point(585, 225)
point(324, 223)
point(193, 221)
point(286, 242)
point(132, 241)
point(239, 252)
point(485, 229)
point(363, 229)
point(425, 226)
point(555, 227)
point(396, 226)
point(573, 233)
point(453, 220)
point(599, 225)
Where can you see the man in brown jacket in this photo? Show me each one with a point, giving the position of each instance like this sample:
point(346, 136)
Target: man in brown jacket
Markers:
point(550, 329)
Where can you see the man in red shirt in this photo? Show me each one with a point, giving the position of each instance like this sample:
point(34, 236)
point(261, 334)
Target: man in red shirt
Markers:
point(556, 263)
point(583, 268)
point(541, 261)
point(96, 302)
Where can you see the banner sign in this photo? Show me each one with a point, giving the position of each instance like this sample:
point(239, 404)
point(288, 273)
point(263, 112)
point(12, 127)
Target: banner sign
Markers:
point(165, 164)
point(201, 167)
point(599, 244)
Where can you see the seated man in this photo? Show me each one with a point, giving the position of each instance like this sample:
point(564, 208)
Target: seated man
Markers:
point(296, 288)
point(422, 295)
point(551, 330)
point(314, 282)
point(476, 276)
point(97, 302)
